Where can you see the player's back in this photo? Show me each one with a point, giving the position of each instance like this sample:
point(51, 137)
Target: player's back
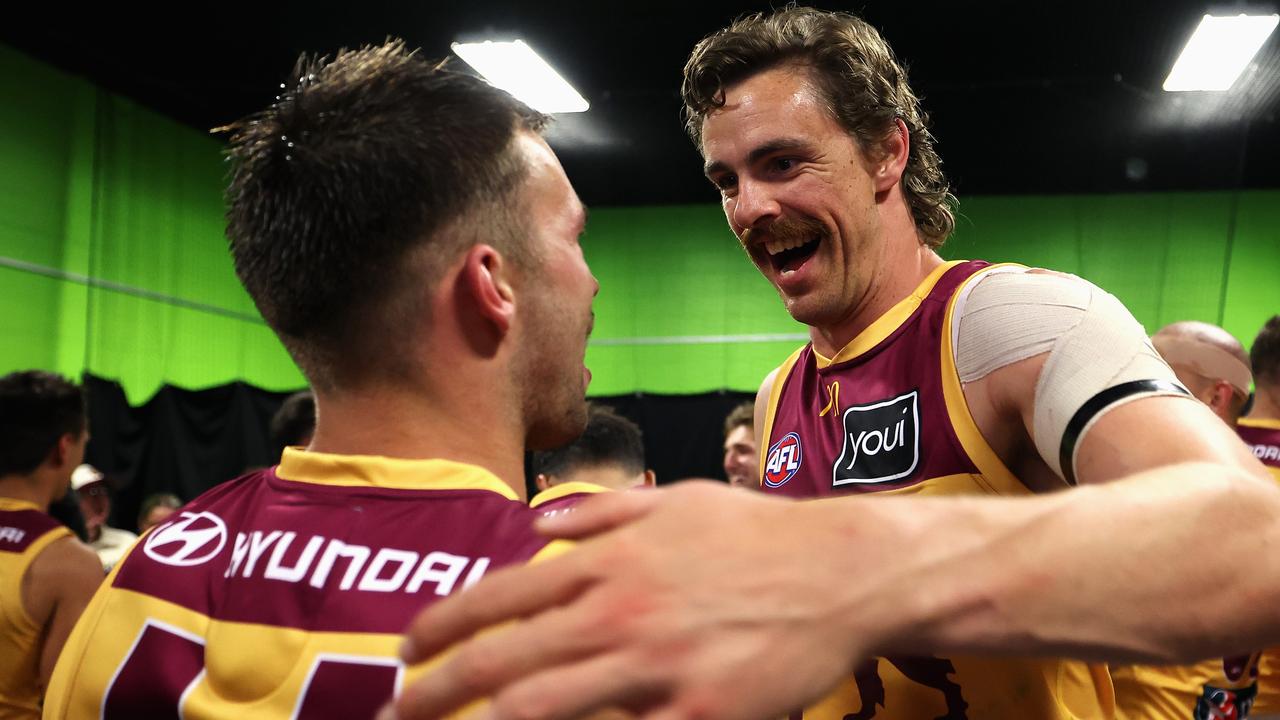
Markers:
point(25, 531)
point(284, 593)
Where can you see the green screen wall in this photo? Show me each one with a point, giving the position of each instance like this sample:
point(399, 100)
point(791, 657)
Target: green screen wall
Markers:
point(113, 261)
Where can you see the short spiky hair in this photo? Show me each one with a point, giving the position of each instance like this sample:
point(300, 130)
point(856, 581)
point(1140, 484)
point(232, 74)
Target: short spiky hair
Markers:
point(36, 409)
point(340, 187)
point(609, 440)
point(1265, 354)
point(864, 86)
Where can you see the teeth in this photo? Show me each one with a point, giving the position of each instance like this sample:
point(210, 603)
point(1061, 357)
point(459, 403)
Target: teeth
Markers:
point(776, 246)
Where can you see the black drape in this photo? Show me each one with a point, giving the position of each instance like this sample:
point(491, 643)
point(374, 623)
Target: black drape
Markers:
point(186, 441)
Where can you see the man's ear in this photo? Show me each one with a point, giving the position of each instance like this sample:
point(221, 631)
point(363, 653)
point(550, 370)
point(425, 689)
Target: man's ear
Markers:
point(486, 278)
point(61, 450)
point(542, 482)
point(650, 478)
point(1221, 399)
point(892, 160)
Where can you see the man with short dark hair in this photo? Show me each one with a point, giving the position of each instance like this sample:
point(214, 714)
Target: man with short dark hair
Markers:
point(741, 456)
point(413, 241)
point(609, 455)
point(1260, 429)
point(1214, 367)
point(46, 575)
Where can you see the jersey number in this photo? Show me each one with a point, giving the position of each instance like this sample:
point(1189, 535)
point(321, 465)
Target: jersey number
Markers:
point(166, 663)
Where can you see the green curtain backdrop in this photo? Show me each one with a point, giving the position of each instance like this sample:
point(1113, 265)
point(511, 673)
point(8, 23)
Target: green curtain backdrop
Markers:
point(113, 261)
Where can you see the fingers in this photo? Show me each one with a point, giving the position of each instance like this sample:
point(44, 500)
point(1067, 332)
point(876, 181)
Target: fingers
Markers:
point(494, 660)
point(508, 594)
point(596, 687)
point(601, 513)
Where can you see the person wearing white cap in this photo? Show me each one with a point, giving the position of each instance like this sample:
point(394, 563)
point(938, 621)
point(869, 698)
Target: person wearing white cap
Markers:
point(95, 504)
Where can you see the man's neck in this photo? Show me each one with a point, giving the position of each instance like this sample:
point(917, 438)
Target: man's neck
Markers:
point(1266, 403)
point(898, 274)
point(404, 424)
point(27, 488)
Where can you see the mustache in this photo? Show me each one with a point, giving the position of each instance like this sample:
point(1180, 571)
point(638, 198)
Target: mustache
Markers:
point(785, 228)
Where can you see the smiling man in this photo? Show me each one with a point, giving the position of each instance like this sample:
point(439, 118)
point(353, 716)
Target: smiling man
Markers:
point(922, 378)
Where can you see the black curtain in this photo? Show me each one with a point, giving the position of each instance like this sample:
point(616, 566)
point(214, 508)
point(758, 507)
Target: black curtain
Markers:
point(187, 441)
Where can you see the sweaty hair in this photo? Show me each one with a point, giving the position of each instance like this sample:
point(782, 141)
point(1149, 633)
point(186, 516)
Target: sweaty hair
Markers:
point(856, 74)
point(36, 410)
point(348, 196)
point(609, 439)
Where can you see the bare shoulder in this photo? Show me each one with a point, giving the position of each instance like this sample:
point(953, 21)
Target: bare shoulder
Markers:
point(67, 561)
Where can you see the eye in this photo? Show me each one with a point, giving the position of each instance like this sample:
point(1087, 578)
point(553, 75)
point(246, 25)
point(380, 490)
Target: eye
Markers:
point(784, 164)
point(725, 183)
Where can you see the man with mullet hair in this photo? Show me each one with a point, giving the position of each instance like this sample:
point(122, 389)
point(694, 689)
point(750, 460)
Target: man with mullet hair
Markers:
point(413, 241)
point(960, 380)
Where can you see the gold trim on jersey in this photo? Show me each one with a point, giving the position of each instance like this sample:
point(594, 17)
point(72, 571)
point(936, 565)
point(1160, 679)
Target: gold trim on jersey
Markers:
point(994, 475)
point(775, 391)
point(576, 487)
point(11, 593)
point(300, 465)
point(1262, 423)
point(884, 325)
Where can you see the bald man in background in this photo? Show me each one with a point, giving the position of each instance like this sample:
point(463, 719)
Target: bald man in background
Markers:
point(1213, 365)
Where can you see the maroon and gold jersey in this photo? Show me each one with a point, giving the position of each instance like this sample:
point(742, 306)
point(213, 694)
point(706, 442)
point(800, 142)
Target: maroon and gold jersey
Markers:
point(1221, 688)
point(887, 414)
point(25, 531)
point(1263, 437)
point(284, 593)
point(561, 498)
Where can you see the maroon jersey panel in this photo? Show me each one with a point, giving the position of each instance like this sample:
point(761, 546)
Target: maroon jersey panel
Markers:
point(1265, 443)
point(889, 427)
point(261, 549)
point(20, 528)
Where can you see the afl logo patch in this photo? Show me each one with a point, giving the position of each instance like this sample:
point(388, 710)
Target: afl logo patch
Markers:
point(194, 539)
point(783, 461)
point(881, 442)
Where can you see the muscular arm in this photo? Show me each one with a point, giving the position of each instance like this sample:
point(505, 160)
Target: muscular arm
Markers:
point(56, 589)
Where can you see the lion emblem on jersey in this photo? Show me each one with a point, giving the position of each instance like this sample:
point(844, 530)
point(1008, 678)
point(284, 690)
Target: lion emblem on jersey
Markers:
point(932, 672)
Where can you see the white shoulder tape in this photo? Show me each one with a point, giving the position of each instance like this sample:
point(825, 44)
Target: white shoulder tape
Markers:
point(1093, 343)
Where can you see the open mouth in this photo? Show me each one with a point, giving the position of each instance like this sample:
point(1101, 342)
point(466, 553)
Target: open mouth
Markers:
point(788, 255)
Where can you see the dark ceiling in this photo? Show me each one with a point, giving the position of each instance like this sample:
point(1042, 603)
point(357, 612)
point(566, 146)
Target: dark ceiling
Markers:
point(1026, 97)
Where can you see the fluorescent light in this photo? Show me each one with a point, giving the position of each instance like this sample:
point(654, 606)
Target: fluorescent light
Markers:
point(516, 68)
point(1219, 51)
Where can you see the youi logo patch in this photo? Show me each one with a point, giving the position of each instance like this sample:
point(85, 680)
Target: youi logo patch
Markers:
point(881, 442)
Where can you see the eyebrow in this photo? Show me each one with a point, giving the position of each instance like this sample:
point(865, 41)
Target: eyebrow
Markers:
point(769, 148)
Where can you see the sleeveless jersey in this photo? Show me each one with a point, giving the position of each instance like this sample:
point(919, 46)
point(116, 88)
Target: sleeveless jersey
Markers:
point(1262, 435)
point(284, 593)
point(887, 414)
point(25, 531)
point(1233, 687)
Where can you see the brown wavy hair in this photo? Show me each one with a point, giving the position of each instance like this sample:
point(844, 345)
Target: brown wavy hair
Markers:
point(863, 84)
